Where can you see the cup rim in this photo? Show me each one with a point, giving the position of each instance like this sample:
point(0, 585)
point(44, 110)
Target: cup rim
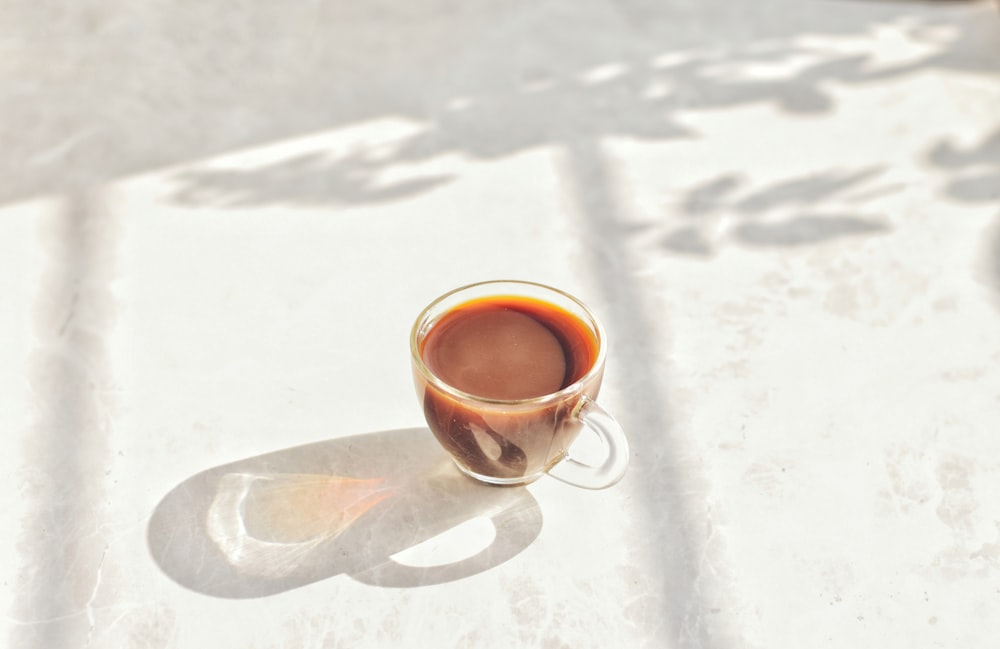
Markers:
point(574, 387)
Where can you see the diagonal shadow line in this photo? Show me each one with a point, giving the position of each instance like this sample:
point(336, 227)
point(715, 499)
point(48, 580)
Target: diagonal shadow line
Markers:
point(669, 527)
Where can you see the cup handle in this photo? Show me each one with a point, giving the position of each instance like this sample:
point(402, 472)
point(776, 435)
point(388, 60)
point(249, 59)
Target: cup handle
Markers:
point(608, 472)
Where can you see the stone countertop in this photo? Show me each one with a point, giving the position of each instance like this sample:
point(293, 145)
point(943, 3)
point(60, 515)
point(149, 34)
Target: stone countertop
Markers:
point(218, 222)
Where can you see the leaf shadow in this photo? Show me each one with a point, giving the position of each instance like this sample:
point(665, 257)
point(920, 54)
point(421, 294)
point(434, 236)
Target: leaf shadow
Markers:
point(974, 177)
point(311, 179)
point(974, 169)
point(806, 229)
point(781, 214)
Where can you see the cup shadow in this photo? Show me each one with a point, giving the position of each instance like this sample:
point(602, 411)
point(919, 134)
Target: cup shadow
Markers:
point(271, 523)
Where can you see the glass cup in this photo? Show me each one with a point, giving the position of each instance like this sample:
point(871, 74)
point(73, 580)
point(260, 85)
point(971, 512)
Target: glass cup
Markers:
point(510, 440)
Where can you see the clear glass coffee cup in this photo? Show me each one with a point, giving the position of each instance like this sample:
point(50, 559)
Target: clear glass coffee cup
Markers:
point(498, 397)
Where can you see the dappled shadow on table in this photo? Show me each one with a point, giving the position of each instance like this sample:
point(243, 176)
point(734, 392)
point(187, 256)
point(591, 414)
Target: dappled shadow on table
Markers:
point(163, 86)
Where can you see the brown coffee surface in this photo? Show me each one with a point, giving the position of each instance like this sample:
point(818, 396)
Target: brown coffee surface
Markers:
point(507, 348)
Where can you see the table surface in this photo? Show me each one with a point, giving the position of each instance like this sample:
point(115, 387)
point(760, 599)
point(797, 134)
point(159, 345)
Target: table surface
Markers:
point(219, 220)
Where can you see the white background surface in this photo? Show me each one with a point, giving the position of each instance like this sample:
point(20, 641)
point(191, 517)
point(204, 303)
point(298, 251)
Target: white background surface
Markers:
point(217, 223)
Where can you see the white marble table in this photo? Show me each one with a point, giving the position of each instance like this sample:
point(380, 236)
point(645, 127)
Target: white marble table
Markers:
point(218, 221)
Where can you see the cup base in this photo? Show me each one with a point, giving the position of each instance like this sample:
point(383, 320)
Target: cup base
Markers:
point(499, 482)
